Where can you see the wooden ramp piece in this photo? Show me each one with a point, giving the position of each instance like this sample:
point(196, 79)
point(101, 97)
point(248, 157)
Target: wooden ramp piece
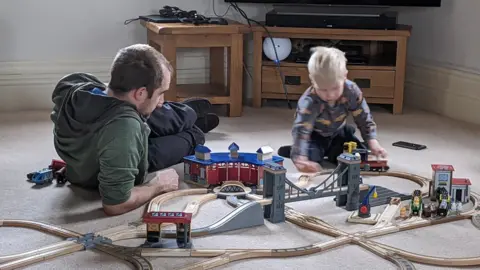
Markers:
point(389, 212)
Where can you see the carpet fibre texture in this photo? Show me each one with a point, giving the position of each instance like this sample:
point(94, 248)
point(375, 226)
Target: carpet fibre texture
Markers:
point(26, 145)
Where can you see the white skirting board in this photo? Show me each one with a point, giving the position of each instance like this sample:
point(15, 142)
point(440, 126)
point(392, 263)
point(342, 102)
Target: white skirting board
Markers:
point(29, 85)
point(447, 91)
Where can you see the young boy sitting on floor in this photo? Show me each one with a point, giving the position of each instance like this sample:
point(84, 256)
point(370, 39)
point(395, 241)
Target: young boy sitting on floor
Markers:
point(320, 127)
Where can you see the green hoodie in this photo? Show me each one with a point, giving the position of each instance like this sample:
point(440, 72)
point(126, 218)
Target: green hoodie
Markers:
point(102, 139)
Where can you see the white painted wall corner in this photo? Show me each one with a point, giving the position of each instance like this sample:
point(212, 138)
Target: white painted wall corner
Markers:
point(445, 90)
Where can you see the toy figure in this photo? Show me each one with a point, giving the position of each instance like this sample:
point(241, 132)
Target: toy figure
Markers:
point(427, 211)
point(459, 207)
point(416, 203)
point(444, 204)
point(403, 212)
point(454, 207)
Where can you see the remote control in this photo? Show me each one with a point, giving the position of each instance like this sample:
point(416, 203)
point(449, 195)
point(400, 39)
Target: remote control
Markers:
point(409, 145)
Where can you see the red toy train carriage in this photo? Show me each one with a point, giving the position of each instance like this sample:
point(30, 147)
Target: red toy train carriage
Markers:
point(371, 165)
point(212, 169)
point(375, 165)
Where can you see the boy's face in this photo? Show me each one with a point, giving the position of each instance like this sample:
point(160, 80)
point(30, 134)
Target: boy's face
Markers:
point(330, 92)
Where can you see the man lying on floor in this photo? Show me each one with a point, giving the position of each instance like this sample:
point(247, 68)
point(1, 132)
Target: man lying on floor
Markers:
point(112, 136)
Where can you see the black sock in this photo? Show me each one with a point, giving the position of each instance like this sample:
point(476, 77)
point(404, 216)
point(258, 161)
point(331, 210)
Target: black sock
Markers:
point(285, 151)
point(207, 123)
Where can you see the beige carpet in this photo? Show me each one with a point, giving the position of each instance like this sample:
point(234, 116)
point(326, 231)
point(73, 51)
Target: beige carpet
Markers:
point(26, 145)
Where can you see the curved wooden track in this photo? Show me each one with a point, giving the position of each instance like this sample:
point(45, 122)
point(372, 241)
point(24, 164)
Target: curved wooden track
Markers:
point(136, 256)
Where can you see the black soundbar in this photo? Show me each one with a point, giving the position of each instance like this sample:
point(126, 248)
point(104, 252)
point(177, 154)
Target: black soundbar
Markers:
point(384, 20)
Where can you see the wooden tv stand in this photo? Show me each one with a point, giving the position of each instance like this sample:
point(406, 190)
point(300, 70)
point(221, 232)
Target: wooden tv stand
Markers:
point(381, 73)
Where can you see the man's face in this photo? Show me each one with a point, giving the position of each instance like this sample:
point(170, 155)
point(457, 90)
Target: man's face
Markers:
point(147, 105)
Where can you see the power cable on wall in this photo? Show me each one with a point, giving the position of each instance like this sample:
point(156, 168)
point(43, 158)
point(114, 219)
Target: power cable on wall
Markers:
point(242, 13)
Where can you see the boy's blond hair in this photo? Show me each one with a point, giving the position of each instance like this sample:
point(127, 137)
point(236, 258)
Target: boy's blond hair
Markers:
point(327, 65)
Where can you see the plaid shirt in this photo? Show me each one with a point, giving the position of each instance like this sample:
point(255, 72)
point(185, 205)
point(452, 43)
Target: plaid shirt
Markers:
point(315, 115)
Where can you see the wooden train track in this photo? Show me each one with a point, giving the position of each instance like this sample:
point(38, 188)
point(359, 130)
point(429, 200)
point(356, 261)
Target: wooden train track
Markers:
point(137, 256)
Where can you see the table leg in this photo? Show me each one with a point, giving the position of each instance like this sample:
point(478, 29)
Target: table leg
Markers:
point(257, 69)
point(169, 50)
point(400, 76)
point(236, 75)
point(217, 68)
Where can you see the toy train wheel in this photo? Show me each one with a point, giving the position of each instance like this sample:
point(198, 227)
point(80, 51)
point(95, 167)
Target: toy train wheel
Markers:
point(61, 180)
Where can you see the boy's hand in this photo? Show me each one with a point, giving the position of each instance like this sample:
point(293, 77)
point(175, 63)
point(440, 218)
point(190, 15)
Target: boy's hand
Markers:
point(306, 166)
point(376, 148)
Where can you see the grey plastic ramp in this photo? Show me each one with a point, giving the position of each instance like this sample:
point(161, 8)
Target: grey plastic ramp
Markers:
point(247, 215)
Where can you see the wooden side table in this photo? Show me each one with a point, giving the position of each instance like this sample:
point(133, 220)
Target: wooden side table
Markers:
point(222, 89)
point(381, 77)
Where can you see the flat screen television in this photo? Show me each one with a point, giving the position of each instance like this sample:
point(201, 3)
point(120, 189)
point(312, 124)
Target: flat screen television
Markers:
point(390, 3)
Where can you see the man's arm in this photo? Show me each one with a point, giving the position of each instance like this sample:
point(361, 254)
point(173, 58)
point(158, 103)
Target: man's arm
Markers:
point(121, 148)
point(362, 116)
point(305, 116)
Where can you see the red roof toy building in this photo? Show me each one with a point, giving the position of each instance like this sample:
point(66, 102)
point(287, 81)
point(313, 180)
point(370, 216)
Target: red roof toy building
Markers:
point(461, 182)
point(167, 217)
point(441, 167)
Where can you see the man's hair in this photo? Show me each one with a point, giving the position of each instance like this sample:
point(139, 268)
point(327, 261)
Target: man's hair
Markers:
point(137, 66)
point(327, 65)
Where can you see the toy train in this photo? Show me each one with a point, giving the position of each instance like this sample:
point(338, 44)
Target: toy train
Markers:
point(56, 170)
point(366, 165)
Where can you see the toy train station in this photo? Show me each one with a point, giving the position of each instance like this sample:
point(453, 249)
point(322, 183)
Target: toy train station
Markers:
point(206, 168)
point(182, 221)
point(458, 188)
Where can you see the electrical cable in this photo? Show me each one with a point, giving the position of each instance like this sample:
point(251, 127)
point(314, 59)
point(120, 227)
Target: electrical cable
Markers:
point(242, 13)
point(214, 12)
point(221, 16)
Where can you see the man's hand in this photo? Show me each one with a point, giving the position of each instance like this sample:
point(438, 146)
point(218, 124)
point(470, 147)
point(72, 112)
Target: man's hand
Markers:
point(163, 181)
point(376, 148)
point(306, 166)
point(166, 180)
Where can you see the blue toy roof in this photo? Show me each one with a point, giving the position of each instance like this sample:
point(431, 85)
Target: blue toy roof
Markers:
point(202, 149)
point(233, 147)
point(250, 158)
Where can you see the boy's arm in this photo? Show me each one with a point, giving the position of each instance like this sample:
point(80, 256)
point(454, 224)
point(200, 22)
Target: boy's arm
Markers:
point(120, 152)
point(305, 116)
point(362, 116)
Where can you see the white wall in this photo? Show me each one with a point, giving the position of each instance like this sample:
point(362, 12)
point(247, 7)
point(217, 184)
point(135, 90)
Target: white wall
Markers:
point(443, 73)
point(40, 41)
